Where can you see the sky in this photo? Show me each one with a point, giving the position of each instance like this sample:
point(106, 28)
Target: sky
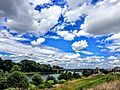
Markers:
point(70, 33)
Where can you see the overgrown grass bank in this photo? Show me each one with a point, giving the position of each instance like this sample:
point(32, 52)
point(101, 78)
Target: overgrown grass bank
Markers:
point(92, 82)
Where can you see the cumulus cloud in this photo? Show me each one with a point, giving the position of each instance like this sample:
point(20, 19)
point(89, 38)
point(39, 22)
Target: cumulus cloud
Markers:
point(38, 41)
point(71, 35)
point(77, 46)
point(66, 35)
point(104, 18)
point(25, 19)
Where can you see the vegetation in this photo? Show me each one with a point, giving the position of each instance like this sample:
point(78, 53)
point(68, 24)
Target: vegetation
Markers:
point(83, 84)
point(26, 66)
point(69, 75)
point(37, 79)
point(13, 77)
point(17, 79)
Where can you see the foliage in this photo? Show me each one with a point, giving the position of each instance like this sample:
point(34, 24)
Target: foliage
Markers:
point(3, 82)
point(87, 72)
point(51, 78)
point(17, 79)
point(61, 81)
point(26, 66)
point(48, 84)
point(33, 87)
point(76, 75)
point(42, 86)
point(6, 65)
point(83, 84)
point(37, 79)
point(15, 68)
point(104, 71)
point(69, 75)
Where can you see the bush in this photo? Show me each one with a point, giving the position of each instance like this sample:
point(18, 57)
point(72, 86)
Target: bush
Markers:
point(17, 80)
point(37, 79)
point(48, 84)
point(76, 75)
point(41, 86)
point(51, 78)
point(33, 87)
point(63, 76)
point(61, 81)
point(87, 72)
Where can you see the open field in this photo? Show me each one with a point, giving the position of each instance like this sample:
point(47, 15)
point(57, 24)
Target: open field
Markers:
point(92, 83)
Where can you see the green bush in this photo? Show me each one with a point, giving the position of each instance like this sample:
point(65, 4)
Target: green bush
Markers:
point(41, 86)
point(51, 78)
point(17, 79)
point(33, 87)
point(61, 81)
point(37, 79)
point(48, 84)
point(76, 75)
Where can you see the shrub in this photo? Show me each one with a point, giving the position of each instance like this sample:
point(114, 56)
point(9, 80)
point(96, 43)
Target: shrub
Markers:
point(48, 84)
point(87, 72)
point(51, 78)
point(76, 75)
point(17, 80)
point(61, 81)
point(41, 86)
point(33, 87)
point(37, 79)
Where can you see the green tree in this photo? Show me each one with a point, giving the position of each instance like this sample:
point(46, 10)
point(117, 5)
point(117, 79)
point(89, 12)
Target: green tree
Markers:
point(76, 75)
point(17, 80)
point(15, 68)
point(51, 78)
point(87, 72)
point(37, 79)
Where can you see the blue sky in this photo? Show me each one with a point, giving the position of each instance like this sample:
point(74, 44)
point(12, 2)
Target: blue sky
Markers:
point(69, 33)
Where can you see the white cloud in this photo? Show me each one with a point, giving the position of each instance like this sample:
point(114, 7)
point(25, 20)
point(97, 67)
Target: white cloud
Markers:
point(112, 57)
point(38, 41)
point(38, 2)
point(87, 52)
point(81, 33)
point(25, 18)
point(74, 14)
point(114, 37)
point(103, 19)
point(77, 46)
point(66, 35)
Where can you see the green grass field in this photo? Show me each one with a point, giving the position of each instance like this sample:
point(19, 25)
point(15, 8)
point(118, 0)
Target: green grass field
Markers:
point(82, 84)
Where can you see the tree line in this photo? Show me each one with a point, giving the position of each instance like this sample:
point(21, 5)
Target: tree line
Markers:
point(27, 66)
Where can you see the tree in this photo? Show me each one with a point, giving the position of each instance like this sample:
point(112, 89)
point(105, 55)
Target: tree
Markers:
point(37, 79)
point(15, 68)
point(76, 75)
point(17, 80)
point(51, 78)
point(6, 65)
point(87, 72)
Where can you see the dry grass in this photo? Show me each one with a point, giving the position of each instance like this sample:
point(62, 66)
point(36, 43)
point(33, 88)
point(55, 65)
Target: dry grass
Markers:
point(113, 85)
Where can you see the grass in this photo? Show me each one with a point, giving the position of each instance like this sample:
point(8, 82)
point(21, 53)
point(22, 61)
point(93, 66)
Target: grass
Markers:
point(92, 82)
